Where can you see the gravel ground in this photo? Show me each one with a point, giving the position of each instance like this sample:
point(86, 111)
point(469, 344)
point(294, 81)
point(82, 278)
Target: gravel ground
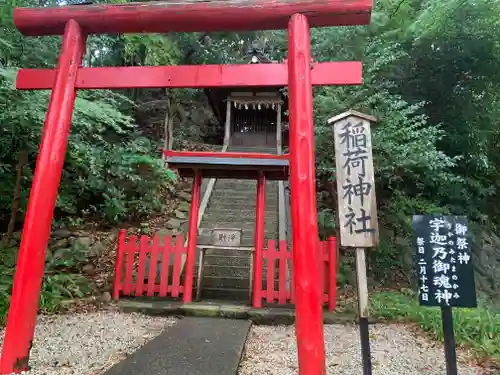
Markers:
point(89, 344)
point(395, 351)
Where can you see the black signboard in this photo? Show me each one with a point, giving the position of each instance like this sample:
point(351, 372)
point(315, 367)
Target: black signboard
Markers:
point(444, 261)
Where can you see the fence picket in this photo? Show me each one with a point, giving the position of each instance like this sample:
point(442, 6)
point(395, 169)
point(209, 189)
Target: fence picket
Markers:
point(271, 258)
point(120, 252)
point(165, 265)
point(176, 281)
point(153, 264)
point(141, 267)
point(282, 272)
point(130, 249)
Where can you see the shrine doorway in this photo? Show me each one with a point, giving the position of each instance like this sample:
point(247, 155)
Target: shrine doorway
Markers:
point(254, 127)
point(254, 120)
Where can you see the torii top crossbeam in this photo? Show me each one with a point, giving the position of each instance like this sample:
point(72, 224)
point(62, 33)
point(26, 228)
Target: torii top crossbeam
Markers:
point(184, 16)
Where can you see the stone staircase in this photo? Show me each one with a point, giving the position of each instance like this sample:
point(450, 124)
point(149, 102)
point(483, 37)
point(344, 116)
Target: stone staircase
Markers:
point(227, 272)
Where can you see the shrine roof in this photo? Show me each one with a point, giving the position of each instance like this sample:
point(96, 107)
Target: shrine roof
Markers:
point(217, 99)
point(229, 165)
point(352, 113)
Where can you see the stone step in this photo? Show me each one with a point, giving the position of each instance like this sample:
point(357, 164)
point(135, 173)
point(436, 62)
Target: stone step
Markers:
point(271, 190)
point(251, 242)
point(207, 225)
point(242, 272)
point(247, 202)
point(226, 294)
point(237, 211)
point(213, 221)
point(244, 204)
point(239, 216)
point(236, 261)
point(247, 190)
point(228, 253)
point(227, 181)
point(243, 217)
point(240, 193)
point(226, 282)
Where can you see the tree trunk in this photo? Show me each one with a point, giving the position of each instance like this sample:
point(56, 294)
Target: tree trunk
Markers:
point(167, 124)
point(170, 132)
point(17, 198)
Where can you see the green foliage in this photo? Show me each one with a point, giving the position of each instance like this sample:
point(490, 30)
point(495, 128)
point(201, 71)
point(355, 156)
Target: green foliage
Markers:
point(345, 271)
point(111, 170)
point(151, 49)
point(326, 222)
point(478, 329)
point(430, 76)
point(61, 279)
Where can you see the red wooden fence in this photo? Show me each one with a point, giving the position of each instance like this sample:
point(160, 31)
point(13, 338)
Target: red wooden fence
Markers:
point(134, 252)
point(131, 260)
point(279, 288)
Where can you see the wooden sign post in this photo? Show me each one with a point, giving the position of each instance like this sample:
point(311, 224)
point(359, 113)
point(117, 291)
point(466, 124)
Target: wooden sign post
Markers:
point(445, 272)
point(357, 207)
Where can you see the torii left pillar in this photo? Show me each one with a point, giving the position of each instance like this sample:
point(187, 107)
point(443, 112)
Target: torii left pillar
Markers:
point(31, 259)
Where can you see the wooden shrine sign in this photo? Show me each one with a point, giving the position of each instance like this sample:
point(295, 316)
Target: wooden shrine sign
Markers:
point(357, 207)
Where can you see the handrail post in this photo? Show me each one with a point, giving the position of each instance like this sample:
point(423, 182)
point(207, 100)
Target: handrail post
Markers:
point(259, 242)
point(119, 264)
point(192, 235)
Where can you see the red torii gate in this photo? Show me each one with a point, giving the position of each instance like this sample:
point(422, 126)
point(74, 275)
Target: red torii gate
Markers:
point(76, 22)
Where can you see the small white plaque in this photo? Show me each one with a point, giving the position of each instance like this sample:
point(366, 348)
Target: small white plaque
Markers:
point(226, 237)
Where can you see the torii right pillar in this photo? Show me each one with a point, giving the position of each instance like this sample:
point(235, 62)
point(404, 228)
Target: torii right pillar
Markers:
point(308, 289)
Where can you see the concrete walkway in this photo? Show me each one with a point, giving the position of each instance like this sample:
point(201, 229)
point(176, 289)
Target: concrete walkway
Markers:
point(193, 346)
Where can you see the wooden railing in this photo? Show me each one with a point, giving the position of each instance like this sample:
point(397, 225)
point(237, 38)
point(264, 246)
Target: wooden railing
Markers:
point(132, 257)
point(137, 271)
point(276, 289)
